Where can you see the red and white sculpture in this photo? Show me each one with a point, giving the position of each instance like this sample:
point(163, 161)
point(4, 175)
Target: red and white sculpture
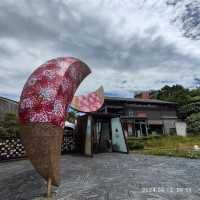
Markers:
point(49, 90)
point(43, 106)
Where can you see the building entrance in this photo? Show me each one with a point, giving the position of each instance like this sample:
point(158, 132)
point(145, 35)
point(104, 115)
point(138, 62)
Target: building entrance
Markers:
point(141, 128)
point(136, 127)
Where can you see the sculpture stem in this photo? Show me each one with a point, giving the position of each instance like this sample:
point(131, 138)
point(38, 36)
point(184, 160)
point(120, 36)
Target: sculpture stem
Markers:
point(49, 188)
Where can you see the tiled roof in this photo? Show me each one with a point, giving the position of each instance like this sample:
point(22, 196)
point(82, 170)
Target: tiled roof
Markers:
point(8, 100)
point(138, 100)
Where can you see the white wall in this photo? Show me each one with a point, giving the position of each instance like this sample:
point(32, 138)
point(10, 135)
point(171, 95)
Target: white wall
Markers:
point(181, 128)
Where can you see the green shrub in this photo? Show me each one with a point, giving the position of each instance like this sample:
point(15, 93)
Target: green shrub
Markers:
point(9, 127)
point(135, 145)
point(3, 132)
point(193, 123)
point(189, 109)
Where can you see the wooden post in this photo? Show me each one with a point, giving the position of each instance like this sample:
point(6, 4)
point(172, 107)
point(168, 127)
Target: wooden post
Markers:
point(49, 188)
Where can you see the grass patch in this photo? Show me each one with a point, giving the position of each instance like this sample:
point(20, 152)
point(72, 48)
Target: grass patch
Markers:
point(135, 144)
point(175, 153)
point(168, 146)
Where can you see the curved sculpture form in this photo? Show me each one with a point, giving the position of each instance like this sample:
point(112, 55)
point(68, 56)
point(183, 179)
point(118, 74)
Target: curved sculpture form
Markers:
point(90, 102)
point(44, 101)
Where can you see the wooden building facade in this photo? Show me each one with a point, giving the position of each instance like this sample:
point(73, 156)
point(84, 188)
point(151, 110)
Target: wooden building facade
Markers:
point(143, 117)
point(7, 106)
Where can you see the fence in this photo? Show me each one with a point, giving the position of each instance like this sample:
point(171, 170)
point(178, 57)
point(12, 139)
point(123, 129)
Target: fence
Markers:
point(12, 148)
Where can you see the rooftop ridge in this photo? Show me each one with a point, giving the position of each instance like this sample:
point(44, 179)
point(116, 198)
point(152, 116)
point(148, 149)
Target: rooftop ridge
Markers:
point(7, 99)
point(139, 100)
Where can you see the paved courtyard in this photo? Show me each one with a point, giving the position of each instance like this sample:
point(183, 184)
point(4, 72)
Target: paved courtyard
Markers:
point(107, 176)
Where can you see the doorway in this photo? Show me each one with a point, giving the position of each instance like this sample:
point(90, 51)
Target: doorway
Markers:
point(102, 140)
point(100, 133)
point(141, 128)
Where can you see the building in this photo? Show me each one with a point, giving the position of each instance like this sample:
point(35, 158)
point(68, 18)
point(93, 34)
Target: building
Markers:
point(7, 106)
point(142, 117)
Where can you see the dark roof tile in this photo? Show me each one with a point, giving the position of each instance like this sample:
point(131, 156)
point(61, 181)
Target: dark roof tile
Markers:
point(135, 100)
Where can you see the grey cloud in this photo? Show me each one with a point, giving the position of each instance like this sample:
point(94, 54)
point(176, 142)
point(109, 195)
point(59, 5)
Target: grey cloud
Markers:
point(5, 52)
point(100, 43)
point(67, 29)
point(89, 37)
point(34, 28)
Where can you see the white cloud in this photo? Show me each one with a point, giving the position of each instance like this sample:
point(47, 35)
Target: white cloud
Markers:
point(127, 40)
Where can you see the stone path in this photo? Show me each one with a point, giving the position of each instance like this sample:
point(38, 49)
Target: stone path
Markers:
point(108, 176)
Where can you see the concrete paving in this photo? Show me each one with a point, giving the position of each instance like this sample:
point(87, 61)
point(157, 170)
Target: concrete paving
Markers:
point(110, 176)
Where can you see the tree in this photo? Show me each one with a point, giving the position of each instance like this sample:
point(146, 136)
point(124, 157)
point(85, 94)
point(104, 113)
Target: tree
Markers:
point(195, 92)
point(193, 123)
point(188, 100)
point(175, 93)
point(189, 109)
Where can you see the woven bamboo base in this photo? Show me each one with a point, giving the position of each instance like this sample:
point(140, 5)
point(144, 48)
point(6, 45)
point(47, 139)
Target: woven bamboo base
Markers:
point(42, 142)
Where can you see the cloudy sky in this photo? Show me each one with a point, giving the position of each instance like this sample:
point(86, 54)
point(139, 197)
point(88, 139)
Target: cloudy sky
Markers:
point(130, 45)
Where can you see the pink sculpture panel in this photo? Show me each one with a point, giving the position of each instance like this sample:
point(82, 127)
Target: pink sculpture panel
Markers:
point(90, 102)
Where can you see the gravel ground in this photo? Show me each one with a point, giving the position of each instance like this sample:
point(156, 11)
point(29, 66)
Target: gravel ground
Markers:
point(108, 176)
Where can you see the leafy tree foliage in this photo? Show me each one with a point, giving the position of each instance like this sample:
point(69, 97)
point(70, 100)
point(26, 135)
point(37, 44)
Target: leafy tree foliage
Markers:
point(189, 109)
point(195, 92)
point(175, 93)
point(188, 100)
point(193, 123)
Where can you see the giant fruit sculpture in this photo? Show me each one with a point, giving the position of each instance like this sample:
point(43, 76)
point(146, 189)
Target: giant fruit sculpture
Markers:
point(45, 98)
